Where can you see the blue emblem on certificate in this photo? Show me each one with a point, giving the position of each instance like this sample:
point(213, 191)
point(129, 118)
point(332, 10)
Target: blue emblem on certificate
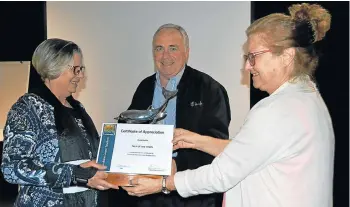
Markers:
point(107, 144)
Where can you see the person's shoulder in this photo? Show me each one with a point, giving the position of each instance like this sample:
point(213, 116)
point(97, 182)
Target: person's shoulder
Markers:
point(279, 105)
point(200, 75)
point(289, 100)
point(148, 80)
point(270, 102)
point(26, 105)
point(28, 99)
point(203, 78)
point(146, 84)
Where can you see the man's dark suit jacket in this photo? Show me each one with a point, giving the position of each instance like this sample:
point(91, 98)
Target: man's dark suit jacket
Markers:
point(202, 106)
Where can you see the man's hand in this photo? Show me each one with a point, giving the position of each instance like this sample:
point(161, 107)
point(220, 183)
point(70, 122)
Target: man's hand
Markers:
point(173, 167)
point(144, 186)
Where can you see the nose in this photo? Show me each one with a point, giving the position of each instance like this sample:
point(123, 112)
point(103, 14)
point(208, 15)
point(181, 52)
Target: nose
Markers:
point(81, 74)
point(247, 66)
point(165, 54)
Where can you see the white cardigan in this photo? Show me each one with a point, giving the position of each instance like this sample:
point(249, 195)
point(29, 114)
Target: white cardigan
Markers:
point(282, 155)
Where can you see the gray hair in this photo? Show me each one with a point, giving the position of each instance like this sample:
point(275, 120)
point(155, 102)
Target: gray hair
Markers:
point(52, 56)
point(178, 28)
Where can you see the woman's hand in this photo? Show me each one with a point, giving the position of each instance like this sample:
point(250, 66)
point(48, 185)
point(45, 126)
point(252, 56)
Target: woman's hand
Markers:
point(92, 163)
point(186, 139)
point(98, 181)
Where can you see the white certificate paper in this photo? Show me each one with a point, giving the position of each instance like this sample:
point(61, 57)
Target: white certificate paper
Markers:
point(136, 148)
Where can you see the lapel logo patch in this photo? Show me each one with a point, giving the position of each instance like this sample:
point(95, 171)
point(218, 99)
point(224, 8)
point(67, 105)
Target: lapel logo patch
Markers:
point(193, 104)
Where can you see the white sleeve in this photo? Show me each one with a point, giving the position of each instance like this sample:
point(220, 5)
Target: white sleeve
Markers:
point(258, 143)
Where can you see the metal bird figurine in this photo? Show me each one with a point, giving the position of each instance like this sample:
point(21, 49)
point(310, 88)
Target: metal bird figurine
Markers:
point(150, 115)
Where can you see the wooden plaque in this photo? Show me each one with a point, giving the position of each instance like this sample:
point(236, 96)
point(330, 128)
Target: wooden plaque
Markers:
point(121, 179)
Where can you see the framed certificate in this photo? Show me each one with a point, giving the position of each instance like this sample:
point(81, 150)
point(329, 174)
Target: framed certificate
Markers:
point(136, 149)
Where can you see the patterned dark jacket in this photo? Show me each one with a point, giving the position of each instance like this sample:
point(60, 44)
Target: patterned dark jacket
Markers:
point(35, 152)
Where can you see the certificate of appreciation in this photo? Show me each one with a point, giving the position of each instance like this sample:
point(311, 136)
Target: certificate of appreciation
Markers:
point(136, 148)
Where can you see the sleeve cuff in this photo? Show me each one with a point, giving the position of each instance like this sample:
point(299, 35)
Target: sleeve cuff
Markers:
point(182, 186)
point(81, 175)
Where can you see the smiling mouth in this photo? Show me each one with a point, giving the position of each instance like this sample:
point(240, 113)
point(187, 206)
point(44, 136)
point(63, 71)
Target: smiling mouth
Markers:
point(255, 74)
point(74, 83)
point(167, 63)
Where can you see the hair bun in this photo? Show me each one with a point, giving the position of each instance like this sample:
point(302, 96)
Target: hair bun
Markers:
point(301, 15)
point(318, 17)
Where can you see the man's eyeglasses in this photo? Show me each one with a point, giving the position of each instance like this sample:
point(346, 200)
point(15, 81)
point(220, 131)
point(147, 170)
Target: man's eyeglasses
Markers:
point(251, 56)
point(77, 69)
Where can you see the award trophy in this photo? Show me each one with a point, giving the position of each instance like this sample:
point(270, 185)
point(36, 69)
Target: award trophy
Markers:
point(148, 116)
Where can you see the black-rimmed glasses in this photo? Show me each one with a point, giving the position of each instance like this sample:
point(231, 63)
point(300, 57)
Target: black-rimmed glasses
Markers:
point(251, 56)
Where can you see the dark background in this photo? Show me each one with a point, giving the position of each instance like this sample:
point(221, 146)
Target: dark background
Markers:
point(23, 27)
point(332, 76)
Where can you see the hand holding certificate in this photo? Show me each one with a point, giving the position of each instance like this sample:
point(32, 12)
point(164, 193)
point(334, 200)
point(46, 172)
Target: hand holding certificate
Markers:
point(132, 150)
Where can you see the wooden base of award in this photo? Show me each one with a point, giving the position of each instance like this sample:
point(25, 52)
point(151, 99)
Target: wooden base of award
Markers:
point(121, 179)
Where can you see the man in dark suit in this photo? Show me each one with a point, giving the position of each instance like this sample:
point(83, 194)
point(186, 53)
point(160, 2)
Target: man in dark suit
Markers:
point(201, 106)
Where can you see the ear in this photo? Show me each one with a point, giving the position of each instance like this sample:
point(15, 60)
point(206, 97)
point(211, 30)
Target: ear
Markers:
point(288, 56)
point(187, 54)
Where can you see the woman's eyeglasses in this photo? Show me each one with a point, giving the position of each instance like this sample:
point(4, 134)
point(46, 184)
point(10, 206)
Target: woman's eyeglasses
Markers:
point(251, 56)
point(77, 69)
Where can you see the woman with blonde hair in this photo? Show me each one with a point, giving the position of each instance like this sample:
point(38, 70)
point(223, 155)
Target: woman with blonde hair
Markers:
point(283, 154)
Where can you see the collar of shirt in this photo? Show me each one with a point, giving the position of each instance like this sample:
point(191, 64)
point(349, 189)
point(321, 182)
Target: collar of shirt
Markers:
point(173, 81)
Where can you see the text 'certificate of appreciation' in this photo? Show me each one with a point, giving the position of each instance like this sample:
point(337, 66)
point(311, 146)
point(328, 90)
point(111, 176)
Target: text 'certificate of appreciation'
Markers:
point(136, 148)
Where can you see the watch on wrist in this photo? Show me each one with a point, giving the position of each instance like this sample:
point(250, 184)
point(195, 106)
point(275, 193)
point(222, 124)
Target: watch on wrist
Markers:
point(164, 189)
